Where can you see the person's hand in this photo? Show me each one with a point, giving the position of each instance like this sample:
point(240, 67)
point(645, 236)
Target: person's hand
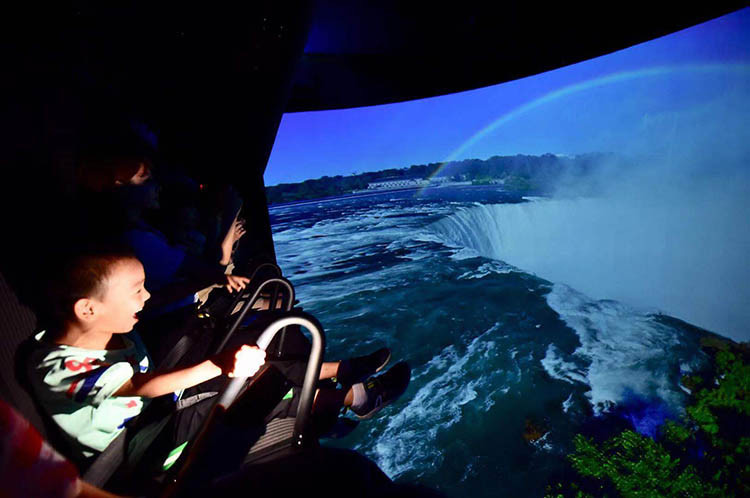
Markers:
point(247, 361)
point(235, 283)
point(235, 233)
point(243, 362)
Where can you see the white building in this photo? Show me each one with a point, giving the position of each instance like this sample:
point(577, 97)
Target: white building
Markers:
point(396, 183)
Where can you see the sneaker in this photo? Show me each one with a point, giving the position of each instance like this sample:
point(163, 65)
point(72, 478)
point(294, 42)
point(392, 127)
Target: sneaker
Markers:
point(383, 390)
point(358, 369)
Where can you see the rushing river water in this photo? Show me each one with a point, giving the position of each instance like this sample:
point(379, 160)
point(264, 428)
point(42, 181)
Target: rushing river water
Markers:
point(477, 291)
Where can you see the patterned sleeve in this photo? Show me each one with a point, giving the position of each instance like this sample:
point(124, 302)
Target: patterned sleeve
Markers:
point(85, 381)
point(28, 465)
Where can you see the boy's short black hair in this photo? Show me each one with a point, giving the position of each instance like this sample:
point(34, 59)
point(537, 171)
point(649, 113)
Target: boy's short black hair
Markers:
point(80, 274)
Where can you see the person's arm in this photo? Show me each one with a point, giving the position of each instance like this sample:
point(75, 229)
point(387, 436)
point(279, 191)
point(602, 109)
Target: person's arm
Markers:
point(244, 362)
point(154, 384)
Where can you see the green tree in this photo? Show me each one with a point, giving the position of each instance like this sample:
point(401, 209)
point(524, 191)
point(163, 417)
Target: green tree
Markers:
point(706, 454)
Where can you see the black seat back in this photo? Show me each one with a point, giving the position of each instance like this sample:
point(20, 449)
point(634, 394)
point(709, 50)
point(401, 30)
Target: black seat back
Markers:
point(17, 323)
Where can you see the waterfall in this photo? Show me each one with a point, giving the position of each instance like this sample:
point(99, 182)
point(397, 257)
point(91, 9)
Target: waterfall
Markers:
point(686, 256)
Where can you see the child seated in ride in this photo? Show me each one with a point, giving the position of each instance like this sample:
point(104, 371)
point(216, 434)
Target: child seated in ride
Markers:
point(91, 373)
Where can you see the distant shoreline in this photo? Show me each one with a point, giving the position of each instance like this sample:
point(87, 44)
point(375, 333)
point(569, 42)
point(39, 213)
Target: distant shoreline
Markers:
point(370, 194)
point(346, 196)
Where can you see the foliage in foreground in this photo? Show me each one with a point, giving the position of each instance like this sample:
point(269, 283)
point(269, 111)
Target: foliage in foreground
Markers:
point(706, 454)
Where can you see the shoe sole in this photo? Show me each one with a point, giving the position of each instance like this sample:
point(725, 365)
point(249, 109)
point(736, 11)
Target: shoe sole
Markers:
point(382, 405)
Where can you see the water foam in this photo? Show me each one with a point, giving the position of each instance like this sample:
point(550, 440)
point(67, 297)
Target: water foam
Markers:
point(457, 379)
point(623, 351)
point(567, 403)
point(493, 267)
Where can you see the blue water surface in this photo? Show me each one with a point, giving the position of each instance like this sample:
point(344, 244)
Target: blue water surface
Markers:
point(494, 350)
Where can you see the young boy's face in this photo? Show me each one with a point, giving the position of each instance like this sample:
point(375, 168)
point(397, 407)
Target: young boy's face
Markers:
point(124, 297)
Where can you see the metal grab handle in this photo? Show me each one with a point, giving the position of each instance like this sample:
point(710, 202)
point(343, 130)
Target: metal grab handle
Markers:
point(225, 400)
point(311, 373)
point(237, 298)
point(249, 303)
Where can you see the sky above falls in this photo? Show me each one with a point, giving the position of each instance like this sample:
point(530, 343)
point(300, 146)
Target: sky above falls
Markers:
point(622, 102)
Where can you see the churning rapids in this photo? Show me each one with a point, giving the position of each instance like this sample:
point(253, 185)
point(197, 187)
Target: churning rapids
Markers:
point(541, 313)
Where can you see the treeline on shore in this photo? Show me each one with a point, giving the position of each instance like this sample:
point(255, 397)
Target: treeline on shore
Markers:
point(517, 173)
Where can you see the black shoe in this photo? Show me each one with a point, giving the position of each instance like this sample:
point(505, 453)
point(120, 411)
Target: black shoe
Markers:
point(358, 369)
point(384, 389)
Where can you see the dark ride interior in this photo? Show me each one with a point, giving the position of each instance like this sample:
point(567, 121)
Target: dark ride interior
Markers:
point(215, 80)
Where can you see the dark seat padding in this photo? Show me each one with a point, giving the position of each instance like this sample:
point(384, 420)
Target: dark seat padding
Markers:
point(17, 324)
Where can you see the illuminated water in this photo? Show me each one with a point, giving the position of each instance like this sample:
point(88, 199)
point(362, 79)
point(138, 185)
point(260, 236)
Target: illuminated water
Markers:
point(444, 281)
